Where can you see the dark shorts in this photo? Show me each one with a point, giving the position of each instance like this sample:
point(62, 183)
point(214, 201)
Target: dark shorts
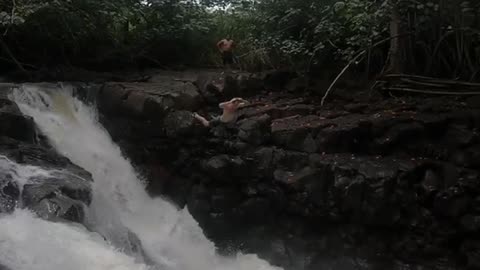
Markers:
point(227, 57)
point(215, 121)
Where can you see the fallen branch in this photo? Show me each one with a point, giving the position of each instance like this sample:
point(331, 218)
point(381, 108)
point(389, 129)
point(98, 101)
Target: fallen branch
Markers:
point(5, 48)
point(340, 75)
point(362, 52)
point(432, 84)
point(430, 80)
point(429, 91)
point(23, 64)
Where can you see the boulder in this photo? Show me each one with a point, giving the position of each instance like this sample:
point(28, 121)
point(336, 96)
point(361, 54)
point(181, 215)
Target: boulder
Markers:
point(277, 79)
point(297, 133)
point(366, 189)
point(36, 155)
point(255, 130)
point(210, 87)
point(241, 85)
point(62, 191)
point(86, 92)
point(349, 133)
point(225, 168)
point(459, 136)
point(9, 193)
point(148, 100)
point(269, 159)
point(451, 203)
point(470, 223)
point(60, 196)
point(282, 108)
point(474, 102)
point(471, 249)
point(223, 200)
point(355, 107)
point(14, 124)
point(254, 210)
point(198, 203)
point(180, 124)
point(399, 135)
point(297, 85)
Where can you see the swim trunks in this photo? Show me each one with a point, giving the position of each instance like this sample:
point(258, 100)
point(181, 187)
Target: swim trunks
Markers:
point(227, 57)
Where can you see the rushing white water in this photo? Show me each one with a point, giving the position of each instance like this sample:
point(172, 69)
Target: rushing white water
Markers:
point(30, 243)
point(170, 237)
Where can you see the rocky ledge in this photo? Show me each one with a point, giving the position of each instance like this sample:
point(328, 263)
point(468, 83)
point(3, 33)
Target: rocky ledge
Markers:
point(364, 181)
point(35, 176)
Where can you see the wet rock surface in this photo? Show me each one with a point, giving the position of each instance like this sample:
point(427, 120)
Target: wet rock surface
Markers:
point(378, 183)
point(61, 192)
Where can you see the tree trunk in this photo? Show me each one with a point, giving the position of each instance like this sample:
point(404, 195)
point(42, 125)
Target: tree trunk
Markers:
point(397, 52)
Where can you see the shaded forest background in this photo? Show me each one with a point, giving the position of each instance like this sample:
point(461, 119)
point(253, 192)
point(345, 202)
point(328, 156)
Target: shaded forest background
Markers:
point(439, 38)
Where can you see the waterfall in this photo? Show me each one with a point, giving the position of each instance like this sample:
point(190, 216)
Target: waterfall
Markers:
point(170, 238)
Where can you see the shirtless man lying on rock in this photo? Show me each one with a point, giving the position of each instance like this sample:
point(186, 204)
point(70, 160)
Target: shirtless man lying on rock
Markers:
point(229, 115)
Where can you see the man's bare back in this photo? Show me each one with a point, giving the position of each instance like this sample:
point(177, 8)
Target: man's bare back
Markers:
point(225, 45)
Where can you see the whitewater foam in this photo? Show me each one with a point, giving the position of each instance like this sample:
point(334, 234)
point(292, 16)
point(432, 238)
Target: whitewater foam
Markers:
point(31, 243)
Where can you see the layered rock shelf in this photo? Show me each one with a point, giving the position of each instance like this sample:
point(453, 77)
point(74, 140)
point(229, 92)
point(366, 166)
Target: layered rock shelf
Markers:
point(366, 177)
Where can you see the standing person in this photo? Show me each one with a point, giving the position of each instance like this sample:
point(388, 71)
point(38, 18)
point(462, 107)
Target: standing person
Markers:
point(225, 46)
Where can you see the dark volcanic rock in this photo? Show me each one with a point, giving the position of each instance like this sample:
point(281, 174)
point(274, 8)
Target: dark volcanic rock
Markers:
point(181, 123)
point(36, 155)
point(210, 87)
point(278, 79)
point(148, 100)
point(9, 193)
point(254, 210)
point(459, 136)
point(470, 223)
point(63, 193)
point(383, 179)
point(226, 168)
point(14, 124)
point(269, 159)
point(255, 130)
point(471, 249)
point(474, 102)
point(242, 85)
point(398, 134)
point(297, 133)
point(215, 87)
point(451, 203)
point(366, 189)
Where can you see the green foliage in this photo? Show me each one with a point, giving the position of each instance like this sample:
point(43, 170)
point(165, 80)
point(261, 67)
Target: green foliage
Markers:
point(299, 33)
point(443, 36)
point(110, 33)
